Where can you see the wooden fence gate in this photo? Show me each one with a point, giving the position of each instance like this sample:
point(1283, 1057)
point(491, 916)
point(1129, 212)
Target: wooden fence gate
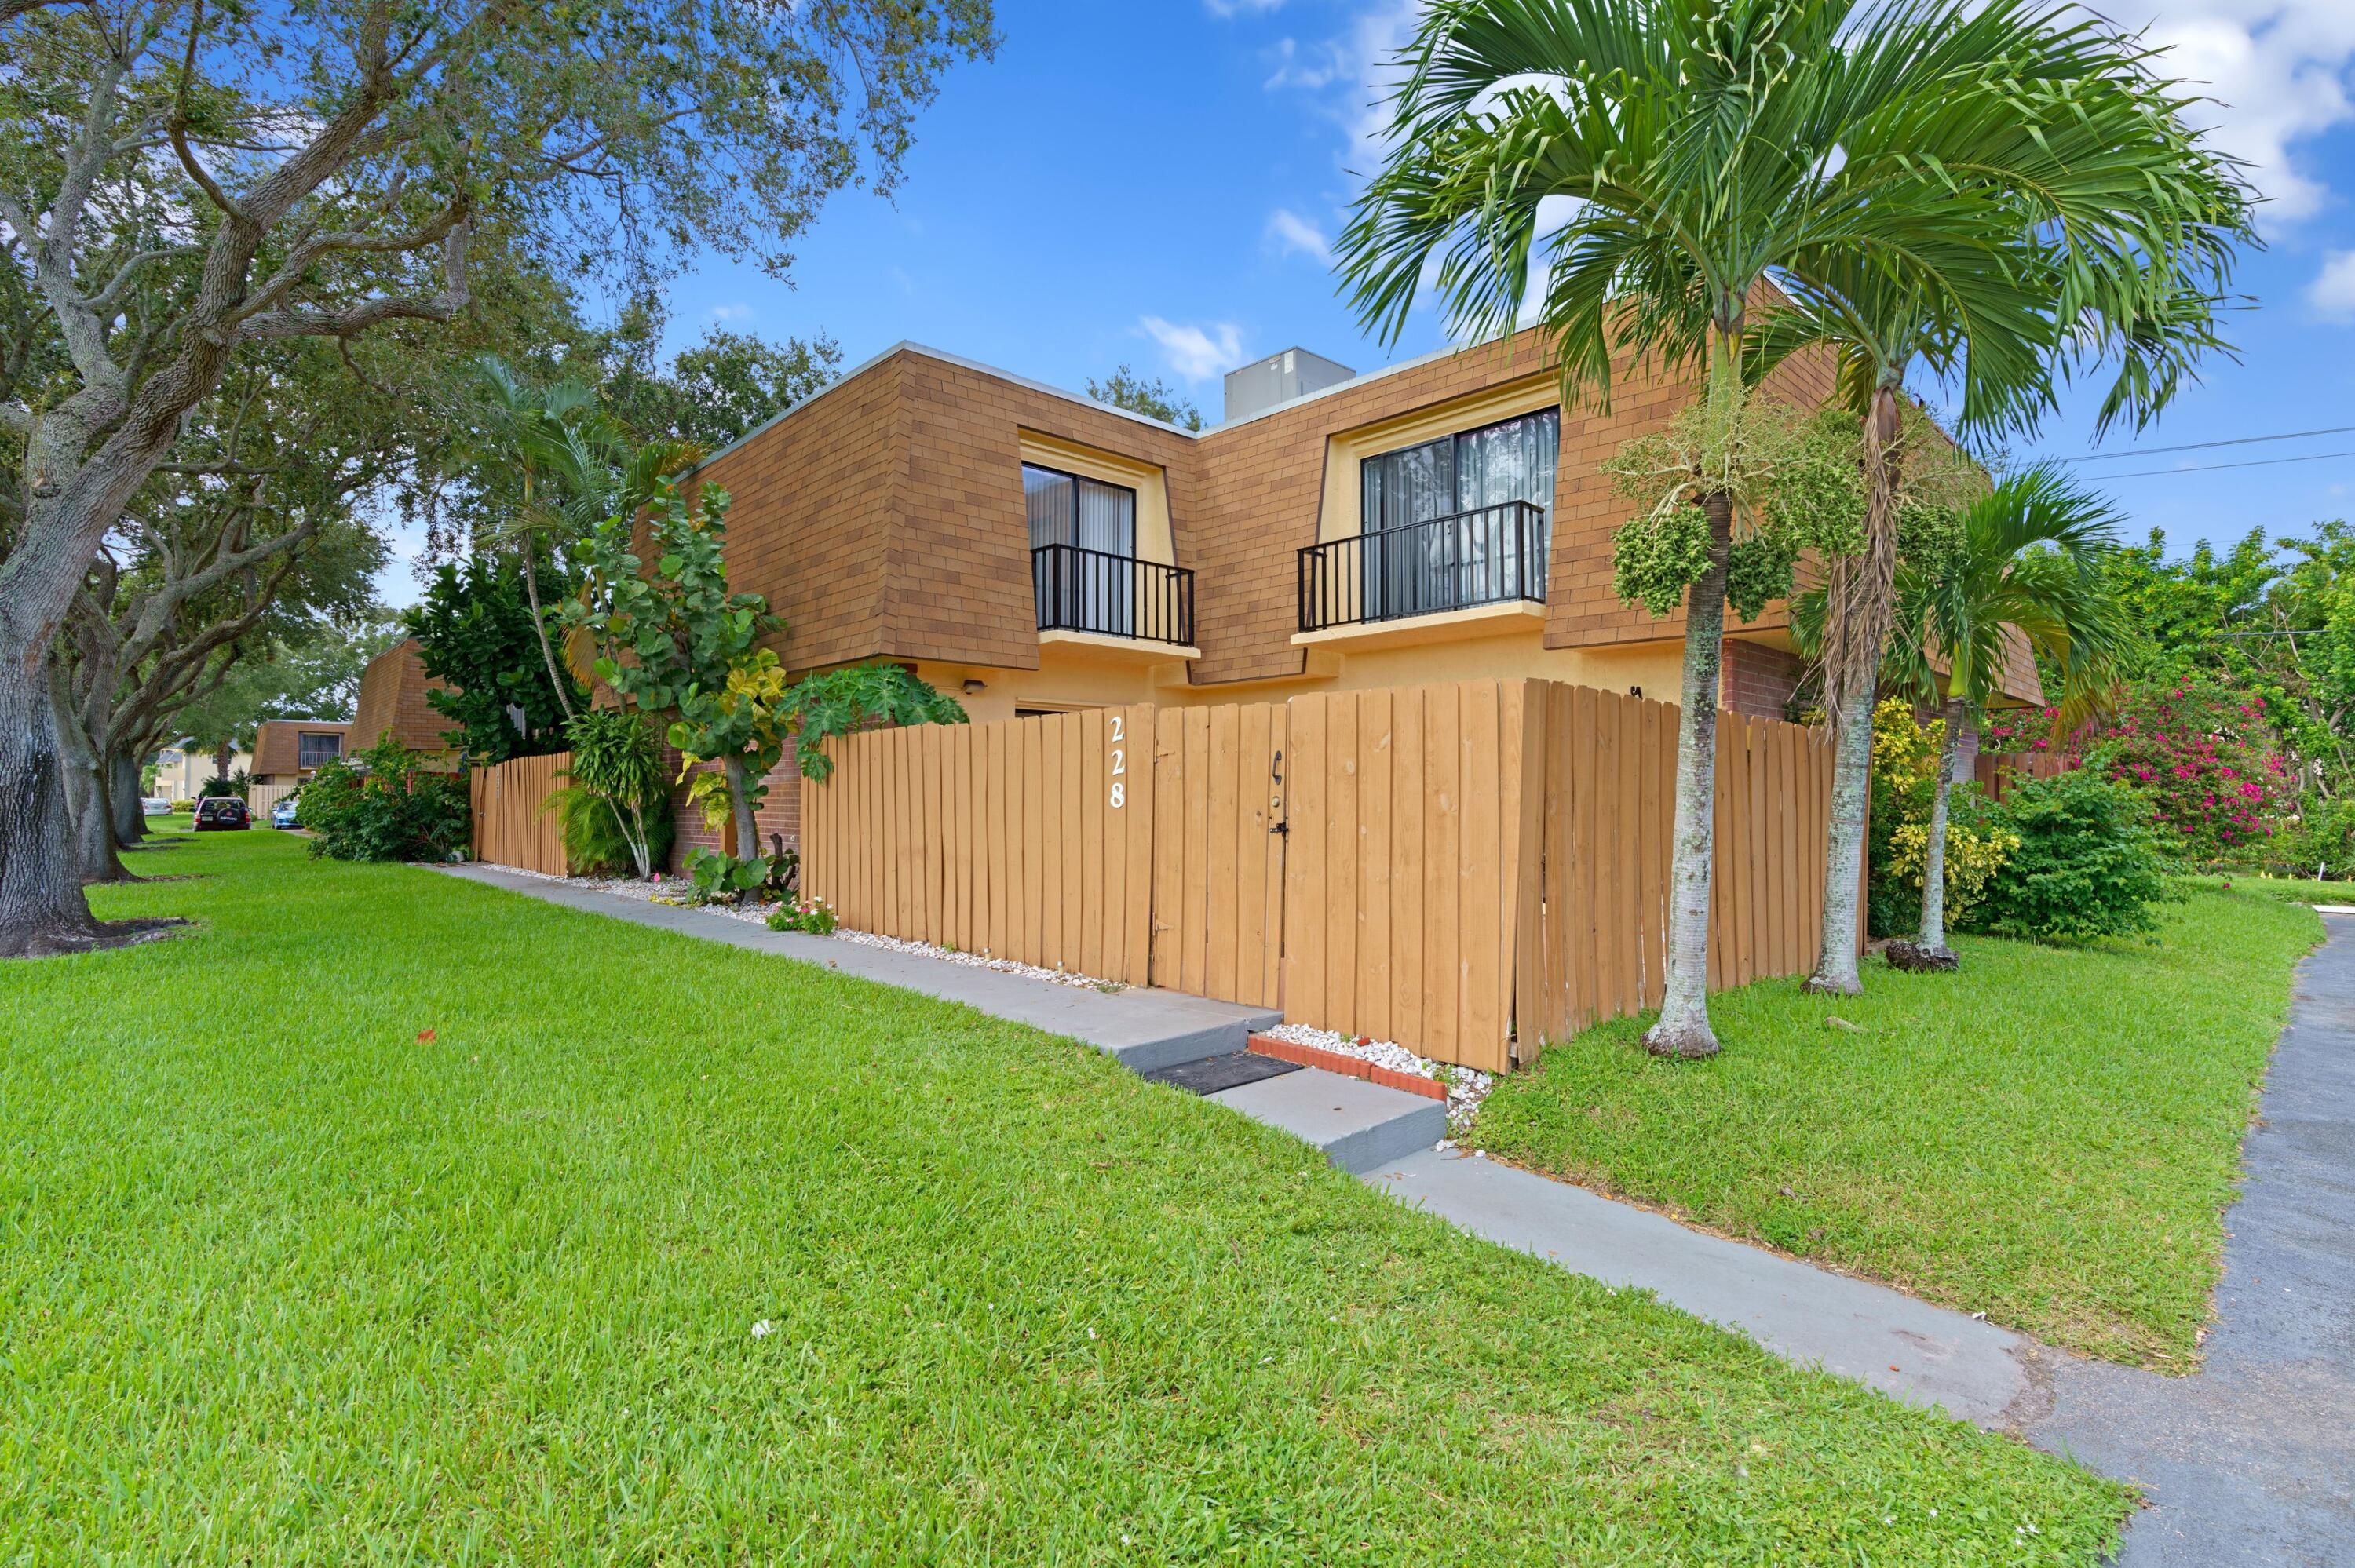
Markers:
point(1441, 865)
point(511, 826)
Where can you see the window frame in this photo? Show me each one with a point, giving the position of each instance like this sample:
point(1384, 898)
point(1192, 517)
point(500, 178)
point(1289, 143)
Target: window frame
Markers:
point(327, 737)
point(1454, 439)
point(1077, 479)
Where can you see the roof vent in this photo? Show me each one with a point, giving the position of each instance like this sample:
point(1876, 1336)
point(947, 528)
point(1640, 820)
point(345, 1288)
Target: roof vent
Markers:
point(1280, 378)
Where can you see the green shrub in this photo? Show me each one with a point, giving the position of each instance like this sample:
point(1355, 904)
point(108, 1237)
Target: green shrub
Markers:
point(2318, 841)
point(184, 808)
point(616, 763)
point(218, 787)
point(716, 878)
point(2087, 863)
point(385, 804)
point(594, 844)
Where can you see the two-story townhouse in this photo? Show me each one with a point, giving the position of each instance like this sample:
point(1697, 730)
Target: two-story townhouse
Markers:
point(1030, 550)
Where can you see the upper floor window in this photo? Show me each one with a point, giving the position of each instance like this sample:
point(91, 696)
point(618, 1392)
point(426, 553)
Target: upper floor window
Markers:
point(1512, 459)
point(1067, 509)
point(317, 750)
point(1451, 523)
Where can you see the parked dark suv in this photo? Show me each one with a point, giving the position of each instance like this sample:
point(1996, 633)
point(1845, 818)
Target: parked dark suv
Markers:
point(222, 813)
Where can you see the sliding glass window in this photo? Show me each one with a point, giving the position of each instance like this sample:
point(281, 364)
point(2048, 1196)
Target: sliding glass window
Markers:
point(1460, 521)
point(1088, 582)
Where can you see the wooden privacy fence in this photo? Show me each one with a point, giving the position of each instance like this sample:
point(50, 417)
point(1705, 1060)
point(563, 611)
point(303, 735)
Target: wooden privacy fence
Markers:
point(1994, 770)
point(510, 828)
point(1441, 865)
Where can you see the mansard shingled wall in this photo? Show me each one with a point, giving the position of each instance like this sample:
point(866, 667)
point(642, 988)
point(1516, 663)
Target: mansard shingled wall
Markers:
point(960, 579)
point(810, 522)
point(1262, 487)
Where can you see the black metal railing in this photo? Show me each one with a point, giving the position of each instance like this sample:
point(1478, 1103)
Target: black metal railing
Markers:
point(1490, 555)
point(1119, 595)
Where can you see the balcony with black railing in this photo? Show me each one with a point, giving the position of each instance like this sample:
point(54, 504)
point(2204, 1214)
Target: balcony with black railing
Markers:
point(1488, 555)
point(1094, 591)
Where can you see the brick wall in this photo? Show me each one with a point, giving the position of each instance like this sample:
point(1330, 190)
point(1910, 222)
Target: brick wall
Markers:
point(1758, 679)
point(780, 812)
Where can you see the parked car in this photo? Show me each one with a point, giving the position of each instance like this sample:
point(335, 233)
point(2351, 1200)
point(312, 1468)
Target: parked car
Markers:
point(282, 815)
point(222, 813)
point(156, 806)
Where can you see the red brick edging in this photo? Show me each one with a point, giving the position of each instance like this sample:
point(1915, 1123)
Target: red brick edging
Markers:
point(1348, 1067)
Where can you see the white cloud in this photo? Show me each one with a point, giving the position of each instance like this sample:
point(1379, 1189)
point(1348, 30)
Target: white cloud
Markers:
point(2278, 71)
point(1197, 353)
point(2332, 292)
point(1290, 232)
point(2281, 73)
point(732, 313)
point(1240, 7)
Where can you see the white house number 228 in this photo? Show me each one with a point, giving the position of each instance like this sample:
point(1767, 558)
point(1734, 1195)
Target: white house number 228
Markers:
point(1119, 762)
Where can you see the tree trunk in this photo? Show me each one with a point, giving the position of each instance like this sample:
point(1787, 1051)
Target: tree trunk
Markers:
point(555, 679)
point(1683, 1028)
point(221, 755)
point(739, 802)
point(1857, 608)
point(82, 772)
point(123, 792)
point(42, 909)
point(1933, 853)
point(1836, 971)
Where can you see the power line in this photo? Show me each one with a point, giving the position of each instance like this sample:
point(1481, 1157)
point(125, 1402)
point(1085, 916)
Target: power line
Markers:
point(2203, 446)
point(2212, 466)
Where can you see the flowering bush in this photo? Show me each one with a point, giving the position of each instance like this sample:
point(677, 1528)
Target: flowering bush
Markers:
point(2204, 756)
point(817, 917)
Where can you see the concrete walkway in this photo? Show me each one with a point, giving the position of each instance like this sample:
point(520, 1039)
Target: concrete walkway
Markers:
point(2253, 1460)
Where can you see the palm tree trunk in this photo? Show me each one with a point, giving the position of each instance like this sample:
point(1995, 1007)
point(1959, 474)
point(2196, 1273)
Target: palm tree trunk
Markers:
point(1857, 611)
point(557, 682)
point(1835, 970)
point(1933, 854)
point(1683, 1028)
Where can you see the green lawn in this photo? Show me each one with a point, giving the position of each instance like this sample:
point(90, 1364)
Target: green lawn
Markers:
point(284, 1281)
point(2049, 1137)
point(2289, 889)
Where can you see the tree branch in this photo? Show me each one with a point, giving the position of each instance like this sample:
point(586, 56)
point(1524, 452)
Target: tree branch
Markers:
point(306, 322)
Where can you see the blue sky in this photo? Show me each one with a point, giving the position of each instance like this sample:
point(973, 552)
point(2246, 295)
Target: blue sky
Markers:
point(1154, 182)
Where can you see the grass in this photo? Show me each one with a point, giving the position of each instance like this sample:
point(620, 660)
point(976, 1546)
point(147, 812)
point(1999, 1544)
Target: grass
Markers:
point(2289, 889)
point(287, 1280)
point(2049, 1137)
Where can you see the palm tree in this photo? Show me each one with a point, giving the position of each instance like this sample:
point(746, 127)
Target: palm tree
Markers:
point(2154, 312)
point(573, 467)
point(1709, 149)
point(2028, 569)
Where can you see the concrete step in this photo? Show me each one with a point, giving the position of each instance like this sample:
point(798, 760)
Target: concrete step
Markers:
point(1359, 1126)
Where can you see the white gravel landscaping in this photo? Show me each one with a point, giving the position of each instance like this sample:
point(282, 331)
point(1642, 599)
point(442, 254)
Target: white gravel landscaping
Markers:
point(1465, 1089)
point(758, 915)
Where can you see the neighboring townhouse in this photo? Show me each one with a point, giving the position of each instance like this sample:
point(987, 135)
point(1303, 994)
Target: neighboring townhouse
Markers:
point(392, 700)
point(288, 751)
point(181, 772)
point(1029, 550)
